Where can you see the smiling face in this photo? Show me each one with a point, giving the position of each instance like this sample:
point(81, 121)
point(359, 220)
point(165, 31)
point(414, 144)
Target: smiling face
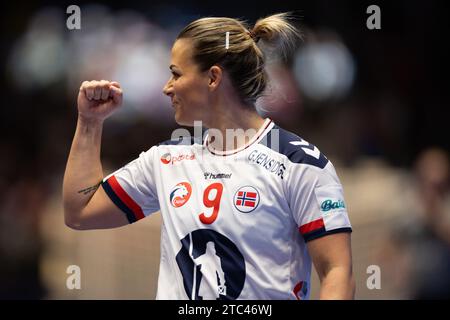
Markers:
point(188, 86)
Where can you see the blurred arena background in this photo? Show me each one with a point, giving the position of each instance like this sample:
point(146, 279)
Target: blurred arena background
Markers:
point(366, 97)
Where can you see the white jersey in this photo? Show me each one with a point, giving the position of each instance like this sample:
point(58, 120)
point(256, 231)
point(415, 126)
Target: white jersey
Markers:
point(235, 224)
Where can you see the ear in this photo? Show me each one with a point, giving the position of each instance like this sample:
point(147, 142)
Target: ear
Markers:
point(215, 75)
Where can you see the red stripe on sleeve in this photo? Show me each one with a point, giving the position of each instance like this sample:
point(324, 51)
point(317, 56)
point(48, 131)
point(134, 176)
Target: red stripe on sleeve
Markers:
point(126, 199)
point(311, 226)
point(297, 288)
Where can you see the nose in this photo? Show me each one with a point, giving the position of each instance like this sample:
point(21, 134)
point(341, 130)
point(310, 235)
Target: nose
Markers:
point(168, 89)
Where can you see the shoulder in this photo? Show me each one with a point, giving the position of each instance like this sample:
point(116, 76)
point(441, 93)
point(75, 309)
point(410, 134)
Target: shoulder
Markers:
point(295, 148)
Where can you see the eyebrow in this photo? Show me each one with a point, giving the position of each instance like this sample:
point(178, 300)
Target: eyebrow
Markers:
point(172, 66)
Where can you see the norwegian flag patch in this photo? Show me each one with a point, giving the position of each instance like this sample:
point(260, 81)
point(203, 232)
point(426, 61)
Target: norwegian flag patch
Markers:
point(246, 199)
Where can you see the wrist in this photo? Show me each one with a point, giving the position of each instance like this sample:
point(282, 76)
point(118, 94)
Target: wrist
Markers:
point(86, 121)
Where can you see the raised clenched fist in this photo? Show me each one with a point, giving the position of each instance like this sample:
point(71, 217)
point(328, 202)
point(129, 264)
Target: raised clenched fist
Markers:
point(98, 99)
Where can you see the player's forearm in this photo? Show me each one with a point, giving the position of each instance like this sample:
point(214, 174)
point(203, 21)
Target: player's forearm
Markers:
point(84, 169)
point(337, 284)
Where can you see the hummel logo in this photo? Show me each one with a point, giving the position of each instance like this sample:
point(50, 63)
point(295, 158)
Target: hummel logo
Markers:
point(209, 175)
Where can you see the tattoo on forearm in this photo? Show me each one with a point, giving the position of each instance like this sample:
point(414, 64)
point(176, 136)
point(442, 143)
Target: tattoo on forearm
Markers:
point(88, 190)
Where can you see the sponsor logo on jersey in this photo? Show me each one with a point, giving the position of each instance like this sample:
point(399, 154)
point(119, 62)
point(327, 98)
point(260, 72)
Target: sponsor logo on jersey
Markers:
point(329, 204)
point(246, 199)
point(209, 175)
point(167, 158)
point(180, 194)
point(270, 164)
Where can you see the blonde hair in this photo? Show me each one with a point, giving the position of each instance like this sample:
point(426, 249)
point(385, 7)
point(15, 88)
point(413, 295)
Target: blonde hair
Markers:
point(243, 60)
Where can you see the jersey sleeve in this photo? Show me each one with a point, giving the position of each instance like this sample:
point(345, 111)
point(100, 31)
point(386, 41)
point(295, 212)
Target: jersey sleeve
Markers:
point(316, 200)
point(132, 188)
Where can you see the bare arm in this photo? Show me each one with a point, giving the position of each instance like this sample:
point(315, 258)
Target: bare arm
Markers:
point(86, 206)
point(332, 258)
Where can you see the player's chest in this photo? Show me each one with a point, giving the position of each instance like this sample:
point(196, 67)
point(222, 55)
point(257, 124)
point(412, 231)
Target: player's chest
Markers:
point(220, 188)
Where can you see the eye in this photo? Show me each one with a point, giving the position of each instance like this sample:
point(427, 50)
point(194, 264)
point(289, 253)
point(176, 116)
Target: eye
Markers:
point(175, 75)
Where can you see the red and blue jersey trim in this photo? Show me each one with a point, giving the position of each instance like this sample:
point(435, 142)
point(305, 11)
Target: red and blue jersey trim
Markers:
point(121, 199)
point(316, 229)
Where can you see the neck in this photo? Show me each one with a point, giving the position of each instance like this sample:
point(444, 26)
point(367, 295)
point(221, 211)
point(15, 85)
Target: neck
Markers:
point(232, 125)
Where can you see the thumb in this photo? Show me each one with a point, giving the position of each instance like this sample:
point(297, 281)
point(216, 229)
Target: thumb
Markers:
point(115, 84)
point(116, 94)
